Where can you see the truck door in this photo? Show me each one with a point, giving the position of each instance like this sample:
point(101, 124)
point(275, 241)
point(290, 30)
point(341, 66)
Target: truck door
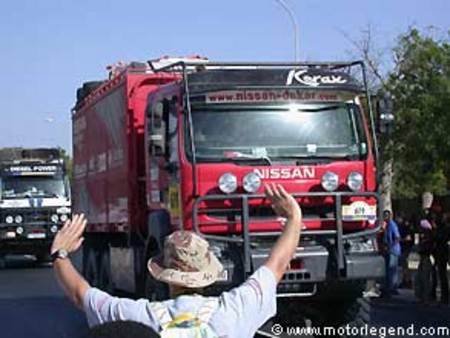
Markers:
point(163, 160)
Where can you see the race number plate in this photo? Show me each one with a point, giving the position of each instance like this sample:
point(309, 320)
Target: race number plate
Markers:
point(36, 236)
point(359, 211)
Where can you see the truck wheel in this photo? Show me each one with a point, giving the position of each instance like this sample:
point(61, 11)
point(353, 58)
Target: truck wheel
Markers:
point(90, 267)
point(353, 312)
point(104, 271)
point(358, 313)
point(155, 290)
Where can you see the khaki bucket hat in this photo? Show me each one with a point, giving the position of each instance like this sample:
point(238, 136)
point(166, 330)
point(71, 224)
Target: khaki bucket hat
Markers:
point(186, 261)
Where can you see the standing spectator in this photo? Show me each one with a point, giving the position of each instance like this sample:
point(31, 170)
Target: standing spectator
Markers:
point(392, 253)
point(187, 265)
point(372, 285)
point(406, 245)
point(440, 255)
point(423, 285)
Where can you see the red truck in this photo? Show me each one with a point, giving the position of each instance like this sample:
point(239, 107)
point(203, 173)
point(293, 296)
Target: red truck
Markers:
point(188, 144)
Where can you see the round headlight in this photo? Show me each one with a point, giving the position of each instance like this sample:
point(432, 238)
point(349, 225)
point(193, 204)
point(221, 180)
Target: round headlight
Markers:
point(252, 182)
point(63, 217)
point(54, 218)
point(19, 230)
point(54, 228)
point(18, 219)
point(9, 219)
point(227, 183)
point(355, 181)
point(330, 181)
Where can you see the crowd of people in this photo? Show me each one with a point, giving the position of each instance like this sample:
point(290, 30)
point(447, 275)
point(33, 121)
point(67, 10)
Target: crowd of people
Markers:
point(427, 236)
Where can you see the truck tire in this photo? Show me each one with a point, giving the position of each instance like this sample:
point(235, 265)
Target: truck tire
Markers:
point(349, 308)
point(155, 290)
point(90, 266)
point(158, 229)
point(104, 270)
point(150, 287)
point(353, 313)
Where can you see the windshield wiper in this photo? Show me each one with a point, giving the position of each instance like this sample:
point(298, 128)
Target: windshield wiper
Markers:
point(319, 157)
point(324, 108)
point(51, 194)
point(238, 157)
point(249, 157)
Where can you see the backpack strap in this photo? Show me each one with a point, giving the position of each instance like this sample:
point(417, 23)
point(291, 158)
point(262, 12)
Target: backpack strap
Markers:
point(161, 311)
point(205, 312)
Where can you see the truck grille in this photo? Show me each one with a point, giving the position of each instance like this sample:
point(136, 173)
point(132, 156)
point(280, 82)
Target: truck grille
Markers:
point(37, 217)
point(323, 212)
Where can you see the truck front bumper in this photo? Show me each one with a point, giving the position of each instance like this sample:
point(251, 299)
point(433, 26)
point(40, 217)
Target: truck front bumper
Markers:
point(323, 255)
point(25, 238)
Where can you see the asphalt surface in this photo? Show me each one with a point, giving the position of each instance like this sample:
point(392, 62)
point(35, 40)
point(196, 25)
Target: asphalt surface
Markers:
point(33, 306)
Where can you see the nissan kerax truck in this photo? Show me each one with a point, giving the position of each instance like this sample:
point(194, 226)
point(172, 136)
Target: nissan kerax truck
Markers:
point(188, 144)
point(34, 200)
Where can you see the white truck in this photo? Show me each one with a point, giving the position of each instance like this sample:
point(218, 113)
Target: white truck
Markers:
point(34, 200)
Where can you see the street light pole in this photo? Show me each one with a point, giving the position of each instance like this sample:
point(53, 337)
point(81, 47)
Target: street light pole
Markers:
point(294, 24)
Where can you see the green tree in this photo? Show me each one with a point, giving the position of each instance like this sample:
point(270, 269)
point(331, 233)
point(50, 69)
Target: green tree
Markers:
point(420, 87)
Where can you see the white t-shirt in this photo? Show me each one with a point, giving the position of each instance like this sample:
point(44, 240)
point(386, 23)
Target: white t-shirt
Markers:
point(239, 314)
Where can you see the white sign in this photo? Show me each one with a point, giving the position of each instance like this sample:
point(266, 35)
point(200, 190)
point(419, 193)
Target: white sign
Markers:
point(359, 211)
point(303, 77)
point(286, 173)
point(38, 235)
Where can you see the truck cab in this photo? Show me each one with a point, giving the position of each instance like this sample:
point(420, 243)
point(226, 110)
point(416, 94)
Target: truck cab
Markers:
point(34, 200)
point(214, 140)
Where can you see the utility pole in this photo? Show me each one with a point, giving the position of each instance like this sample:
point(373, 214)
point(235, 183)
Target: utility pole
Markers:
point(294, 25)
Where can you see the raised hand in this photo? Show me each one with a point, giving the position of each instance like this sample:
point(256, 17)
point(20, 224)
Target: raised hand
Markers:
point(282, 202)
point(70, 236)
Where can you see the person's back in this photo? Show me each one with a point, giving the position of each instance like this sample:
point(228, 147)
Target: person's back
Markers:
point(187, 264)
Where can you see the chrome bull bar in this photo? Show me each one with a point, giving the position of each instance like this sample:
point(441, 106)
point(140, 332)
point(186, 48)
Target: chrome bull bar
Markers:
point(245, 237)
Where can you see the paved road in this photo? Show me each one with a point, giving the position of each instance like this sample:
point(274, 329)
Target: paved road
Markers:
point(32, 306)
point(404, 311)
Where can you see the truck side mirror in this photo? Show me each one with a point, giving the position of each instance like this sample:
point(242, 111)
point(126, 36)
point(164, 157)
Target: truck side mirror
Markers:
point(385, 115)
point(158, 130)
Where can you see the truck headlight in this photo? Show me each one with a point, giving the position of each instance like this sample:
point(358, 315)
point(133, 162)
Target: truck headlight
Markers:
point(355, 181)
point(228, 183)
point(54, 228)
point(252, 182)
point(63, 217)
point(18, 219)
point(330, 181)
point(9, 219)
point(54, 218)
point(19, 230)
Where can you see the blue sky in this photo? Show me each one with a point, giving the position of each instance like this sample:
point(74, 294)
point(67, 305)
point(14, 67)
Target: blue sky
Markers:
point(50, 47)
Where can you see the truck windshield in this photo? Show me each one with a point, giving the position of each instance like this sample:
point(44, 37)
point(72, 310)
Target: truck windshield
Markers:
point(306, 131)
point(26, 186)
